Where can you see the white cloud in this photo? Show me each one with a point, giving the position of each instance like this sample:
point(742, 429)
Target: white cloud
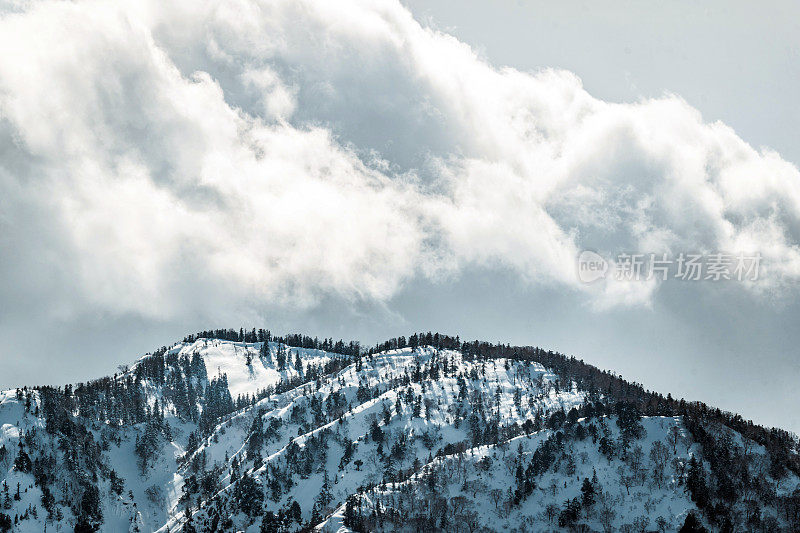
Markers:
point(191, 155)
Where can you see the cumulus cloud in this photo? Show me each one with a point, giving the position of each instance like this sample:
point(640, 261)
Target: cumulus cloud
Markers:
point(157, 157)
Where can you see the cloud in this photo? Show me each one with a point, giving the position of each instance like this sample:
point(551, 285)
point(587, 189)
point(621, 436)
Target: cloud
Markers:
point(197, 158)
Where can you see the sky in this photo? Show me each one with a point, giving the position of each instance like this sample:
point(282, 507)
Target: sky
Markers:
point(364, 170)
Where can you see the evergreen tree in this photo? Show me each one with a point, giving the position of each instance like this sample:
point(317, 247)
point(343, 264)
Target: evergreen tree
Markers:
point(248, 495)
point(294, 512)
point(587, 493)
point(692, 525)
point(270, 523)
point(324, 497)
point(352, 513)
point(696, 483)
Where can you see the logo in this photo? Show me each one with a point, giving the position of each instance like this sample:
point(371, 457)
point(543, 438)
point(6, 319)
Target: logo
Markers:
point(591, 266)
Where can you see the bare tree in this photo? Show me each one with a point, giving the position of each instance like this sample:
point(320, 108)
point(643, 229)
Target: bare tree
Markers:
point(606, 513)
point(747, 446)
point(673, 437)
point(458, 504)
point(625, 480)
point(659, 456)
point(679, 466)
point(636, 458)
point(551, 511)
point(497, 496)
point(469, 520)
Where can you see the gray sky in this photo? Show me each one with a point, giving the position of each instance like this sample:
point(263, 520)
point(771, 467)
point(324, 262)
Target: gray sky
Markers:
point(738, 62)
point(366, 172)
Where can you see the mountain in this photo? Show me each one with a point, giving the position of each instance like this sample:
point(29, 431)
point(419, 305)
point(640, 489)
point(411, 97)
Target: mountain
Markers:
point(243, 431)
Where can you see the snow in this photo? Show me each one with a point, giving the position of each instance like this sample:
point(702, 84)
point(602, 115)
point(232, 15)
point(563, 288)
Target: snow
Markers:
point(230, 358)
point(151, 499)
point(8, 433)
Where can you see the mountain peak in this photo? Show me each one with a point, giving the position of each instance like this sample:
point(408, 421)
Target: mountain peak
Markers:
point(249, 432)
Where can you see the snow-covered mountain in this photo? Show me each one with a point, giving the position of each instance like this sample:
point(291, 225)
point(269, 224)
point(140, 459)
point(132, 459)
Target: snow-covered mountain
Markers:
point(240, 431)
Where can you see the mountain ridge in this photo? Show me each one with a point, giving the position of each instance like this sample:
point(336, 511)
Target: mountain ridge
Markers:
point(243, 431)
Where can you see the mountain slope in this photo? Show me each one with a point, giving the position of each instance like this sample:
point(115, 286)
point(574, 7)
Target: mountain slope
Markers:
point(245, 432)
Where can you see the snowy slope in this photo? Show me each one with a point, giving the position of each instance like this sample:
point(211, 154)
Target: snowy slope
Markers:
point(418, 439)
point(230, 358)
